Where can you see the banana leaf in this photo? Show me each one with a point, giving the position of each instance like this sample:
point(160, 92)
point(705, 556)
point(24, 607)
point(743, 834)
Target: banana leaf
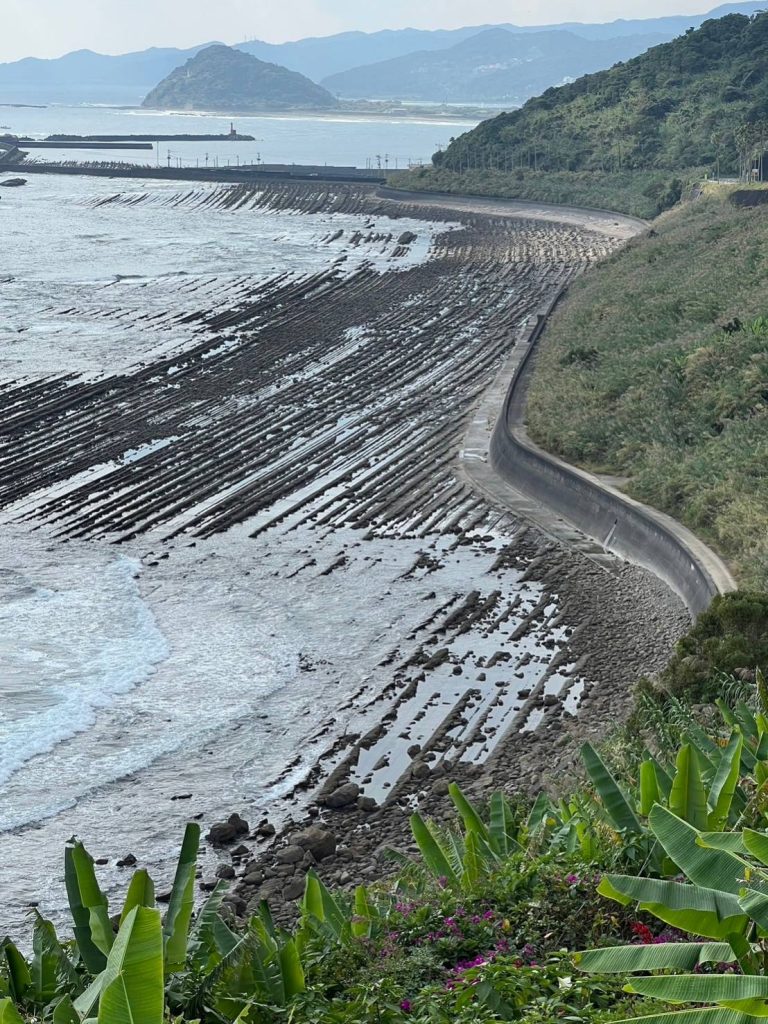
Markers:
point(276, 964)
point(682, 956)
point(688, 799)
point(746, 719)
point(615, 802)
point(320, 904)
point(712, 869)
point(19, 976)
point(291, 970)
point(502, 838)
point(702, 988)
point(726, 780)
point(542, 809)
point(182, 902)
point(469, 815)
point(51, 970)
point(757, 844)
point(433, 856)
point(474, 865)
point(691, 908)
point(650, 792)
point(704, 1015)
point(210, 937)
point(65, 1012)
point(365, 914)
point(94, 925)
point(731, 842)
point(8, 1012)
point(141, 893)
point(87, 1001)
point(133, 989)
point(756, 905)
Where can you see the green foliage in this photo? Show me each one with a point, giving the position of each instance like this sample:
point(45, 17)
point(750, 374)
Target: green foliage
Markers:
point(730, 637)
point(673, 395)
point(700, 100)
point(132, 990)
point(724, 896)
point(475, 929)
point(639, 193)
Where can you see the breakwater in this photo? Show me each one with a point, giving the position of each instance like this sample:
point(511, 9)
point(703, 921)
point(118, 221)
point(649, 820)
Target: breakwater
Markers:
point(248, 174)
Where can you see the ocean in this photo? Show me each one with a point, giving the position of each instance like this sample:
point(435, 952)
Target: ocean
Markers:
point(123, 689)
point(354, 140)
point(151, 676)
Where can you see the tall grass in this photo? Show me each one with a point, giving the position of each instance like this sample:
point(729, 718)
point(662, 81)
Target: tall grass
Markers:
point(656, 368)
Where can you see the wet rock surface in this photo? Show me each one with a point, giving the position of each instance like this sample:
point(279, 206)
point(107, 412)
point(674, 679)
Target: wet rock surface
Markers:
point(330, 407)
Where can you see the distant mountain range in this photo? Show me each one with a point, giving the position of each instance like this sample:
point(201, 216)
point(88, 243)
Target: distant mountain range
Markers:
point(87, 77)
point(221, 78)
point(494, 66)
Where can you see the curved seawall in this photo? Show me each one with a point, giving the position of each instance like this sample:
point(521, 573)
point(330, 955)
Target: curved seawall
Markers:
point(619, 524)
point(510, 468)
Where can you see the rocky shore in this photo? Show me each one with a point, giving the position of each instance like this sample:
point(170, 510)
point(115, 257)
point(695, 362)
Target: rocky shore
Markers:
point(628, 623)
point(286, 472)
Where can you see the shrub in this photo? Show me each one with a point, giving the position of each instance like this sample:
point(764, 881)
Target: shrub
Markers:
point(730, 638)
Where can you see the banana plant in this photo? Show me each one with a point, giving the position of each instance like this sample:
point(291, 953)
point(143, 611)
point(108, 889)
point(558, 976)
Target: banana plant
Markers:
point(89, 906)
point(463, 859)
point(723, 901)
point(8, 1012)
point(132, 986)
point(702, 788)
point(264, 967)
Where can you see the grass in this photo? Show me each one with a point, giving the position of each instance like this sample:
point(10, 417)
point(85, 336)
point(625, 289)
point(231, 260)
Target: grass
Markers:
point(638, 193)
point(656, 368)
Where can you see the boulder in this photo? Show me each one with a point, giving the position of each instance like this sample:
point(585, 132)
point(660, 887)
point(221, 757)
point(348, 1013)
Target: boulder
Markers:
point(225, 832)
point(344, 796)
point(318, 841)
point(294, 890)
point(290, 855)
point(407, 238)
point(225, 871)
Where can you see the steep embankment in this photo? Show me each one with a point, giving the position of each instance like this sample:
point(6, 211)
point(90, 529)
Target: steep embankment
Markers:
point(656, 368)
point(628, 137)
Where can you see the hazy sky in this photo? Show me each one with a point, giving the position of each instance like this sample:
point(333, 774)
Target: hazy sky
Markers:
point(48, 28)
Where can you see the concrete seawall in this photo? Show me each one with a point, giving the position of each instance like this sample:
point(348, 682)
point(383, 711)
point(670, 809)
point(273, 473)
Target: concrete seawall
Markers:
point(576, 507)
point(616, 522)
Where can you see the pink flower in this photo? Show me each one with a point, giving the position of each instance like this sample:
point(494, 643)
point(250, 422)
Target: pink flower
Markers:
point(405, 1006)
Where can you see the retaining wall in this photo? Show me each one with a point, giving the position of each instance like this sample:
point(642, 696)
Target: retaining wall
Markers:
point(622, 526)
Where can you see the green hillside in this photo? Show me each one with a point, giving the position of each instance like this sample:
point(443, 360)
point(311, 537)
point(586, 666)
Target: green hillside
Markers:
point(629, 138)
point(656, 368)
point(681, 105)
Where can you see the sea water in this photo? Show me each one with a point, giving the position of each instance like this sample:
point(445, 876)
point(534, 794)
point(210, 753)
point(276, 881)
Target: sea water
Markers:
point(348, 140)
point(137, 693)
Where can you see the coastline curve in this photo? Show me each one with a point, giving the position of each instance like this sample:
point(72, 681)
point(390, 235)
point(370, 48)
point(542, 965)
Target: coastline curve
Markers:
point(560, 497)
point(572, 505)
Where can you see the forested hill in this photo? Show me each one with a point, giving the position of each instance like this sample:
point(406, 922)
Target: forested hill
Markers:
point(697, 101)
point(223, 79)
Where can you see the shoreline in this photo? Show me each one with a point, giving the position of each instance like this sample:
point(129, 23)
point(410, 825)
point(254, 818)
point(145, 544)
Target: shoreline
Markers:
point(544, 627)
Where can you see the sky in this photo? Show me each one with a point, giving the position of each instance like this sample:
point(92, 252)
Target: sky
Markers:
point(49, 28)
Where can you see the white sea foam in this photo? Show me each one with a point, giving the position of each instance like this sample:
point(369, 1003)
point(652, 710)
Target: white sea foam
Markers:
point(67, 648)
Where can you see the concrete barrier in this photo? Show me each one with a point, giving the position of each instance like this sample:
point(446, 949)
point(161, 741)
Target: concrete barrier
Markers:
point(619, 524)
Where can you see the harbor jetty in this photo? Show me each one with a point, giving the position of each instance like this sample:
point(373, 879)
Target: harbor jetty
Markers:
point(63, 141)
